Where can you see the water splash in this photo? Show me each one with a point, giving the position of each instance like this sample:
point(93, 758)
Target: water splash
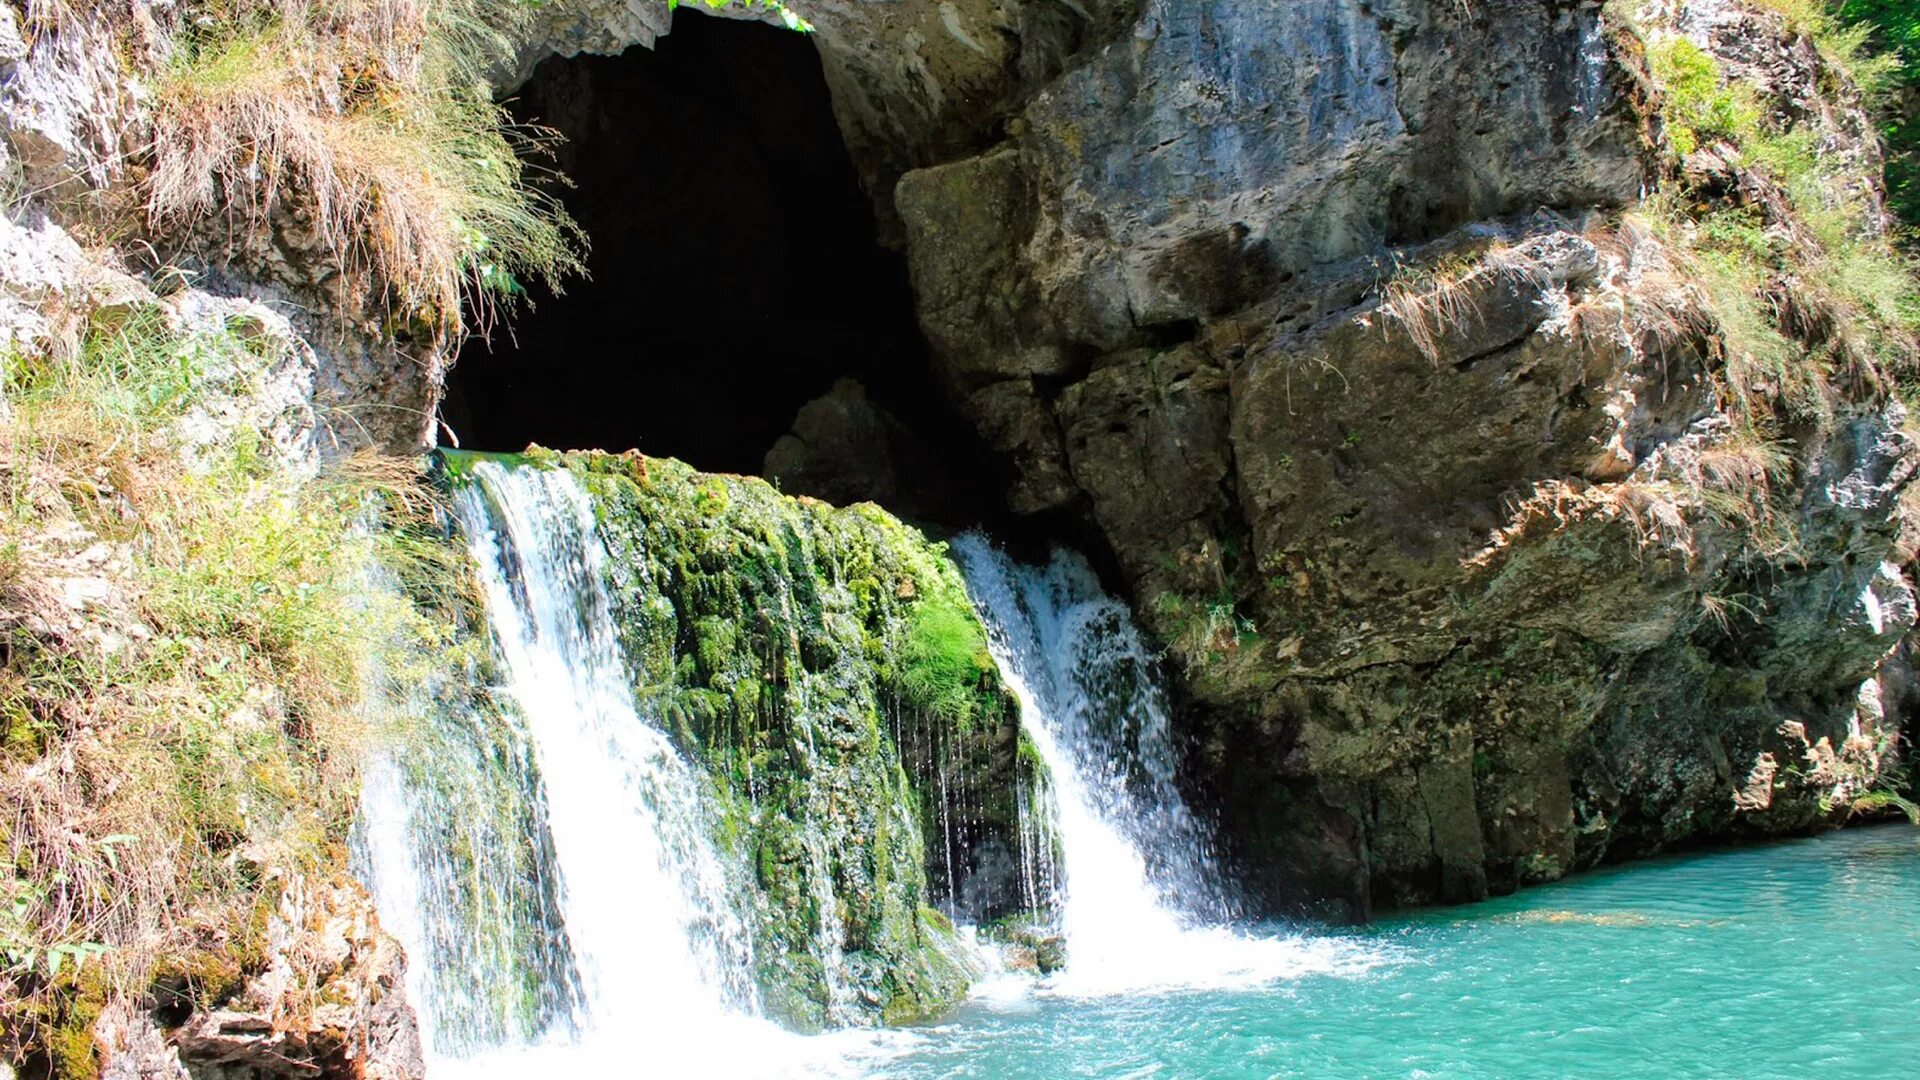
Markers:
point(1139, 897)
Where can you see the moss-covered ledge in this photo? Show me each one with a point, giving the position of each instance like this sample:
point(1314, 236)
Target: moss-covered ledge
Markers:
point(826, 668)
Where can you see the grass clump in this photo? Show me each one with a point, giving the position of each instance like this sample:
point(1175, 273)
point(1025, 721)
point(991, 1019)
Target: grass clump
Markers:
point(369, 121)
point(1811, 294)
point(1883, 801)
point(188, 631)
point(1700, 104)
point(945, 659)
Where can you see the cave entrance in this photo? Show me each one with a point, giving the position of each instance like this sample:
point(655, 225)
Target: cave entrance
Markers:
point(735, 276)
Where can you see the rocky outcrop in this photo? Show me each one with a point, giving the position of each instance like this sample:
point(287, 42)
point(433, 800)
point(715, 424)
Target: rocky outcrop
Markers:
point(1474, 568)
point(843, 448)
point(76, 116)
point(313, 988)
point(327, 998)
point(330, 1000)
point(1221, 150)
point(913, 83)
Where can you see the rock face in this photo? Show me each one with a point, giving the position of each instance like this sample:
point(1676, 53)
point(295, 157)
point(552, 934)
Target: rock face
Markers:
point(1437, 497)
point(841, 449)
point(1221, 149)
point(1465, 715)
point(75, 120)
point(331, 1001)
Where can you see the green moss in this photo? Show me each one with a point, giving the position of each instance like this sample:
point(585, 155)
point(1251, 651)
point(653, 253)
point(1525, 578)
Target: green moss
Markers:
point(826, 668)
point(70, 1047)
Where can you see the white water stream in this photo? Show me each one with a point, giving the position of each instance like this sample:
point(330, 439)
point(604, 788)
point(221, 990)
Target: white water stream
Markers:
point(1140, 904)
point(659, 951)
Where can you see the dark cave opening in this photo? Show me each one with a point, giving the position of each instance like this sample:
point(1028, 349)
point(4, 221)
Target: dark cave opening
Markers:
point(734, 276)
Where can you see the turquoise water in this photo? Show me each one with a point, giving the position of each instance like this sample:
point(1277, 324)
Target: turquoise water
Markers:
point(1796, 959)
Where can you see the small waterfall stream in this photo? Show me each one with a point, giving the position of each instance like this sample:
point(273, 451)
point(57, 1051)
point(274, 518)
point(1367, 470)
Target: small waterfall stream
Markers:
point(1140, 901)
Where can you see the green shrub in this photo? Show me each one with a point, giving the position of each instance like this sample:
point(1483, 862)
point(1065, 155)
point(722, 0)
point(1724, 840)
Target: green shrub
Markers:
point(1882, 800)
point(1895, 27)
point(945, 658)
point(1700, 105)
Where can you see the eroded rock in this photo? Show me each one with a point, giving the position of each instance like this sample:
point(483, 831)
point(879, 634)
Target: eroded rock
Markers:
point(331, 1001)
point(1437, 498)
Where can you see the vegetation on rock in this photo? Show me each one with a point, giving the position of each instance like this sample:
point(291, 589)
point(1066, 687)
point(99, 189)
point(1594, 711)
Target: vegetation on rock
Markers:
point(189, 635)
point(373, 123)
point(1895, 27)
point(827, 670)
point(1806, 284)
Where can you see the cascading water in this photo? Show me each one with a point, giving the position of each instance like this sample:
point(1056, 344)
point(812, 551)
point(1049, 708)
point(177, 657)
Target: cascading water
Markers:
point(654, 964)
point(452, 836)
point(1139, 899)
point(548, 857)
point(652, 926)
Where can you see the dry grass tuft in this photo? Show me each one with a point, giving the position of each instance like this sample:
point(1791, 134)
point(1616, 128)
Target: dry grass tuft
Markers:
point(367, 121)
point(1428, 301)
point(1431, 302)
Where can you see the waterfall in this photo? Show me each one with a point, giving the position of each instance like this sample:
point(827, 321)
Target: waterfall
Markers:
point(548, 855)
point(638, 959)
point(651, 923)
point(1139, 897)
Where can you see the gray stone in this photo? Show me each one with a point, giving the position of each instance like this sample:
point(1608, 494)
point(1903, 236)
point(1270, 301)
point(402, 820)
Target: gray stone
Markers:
point(841, 449)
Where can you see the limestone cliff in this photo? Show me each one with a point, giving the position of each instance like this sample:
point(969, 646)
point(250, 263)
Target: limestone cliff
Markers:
point(1484, 553)
point(1470, 395)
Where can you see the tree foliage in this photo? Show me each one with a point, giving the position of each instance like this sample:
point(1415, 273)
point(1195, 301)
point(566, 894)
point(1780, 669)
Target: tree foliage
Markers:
point(1896, 27)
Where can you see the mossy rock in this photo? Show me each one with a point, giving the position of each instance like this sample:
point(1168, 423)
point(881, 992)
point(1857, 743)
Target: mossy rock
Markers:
point(827, 670)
